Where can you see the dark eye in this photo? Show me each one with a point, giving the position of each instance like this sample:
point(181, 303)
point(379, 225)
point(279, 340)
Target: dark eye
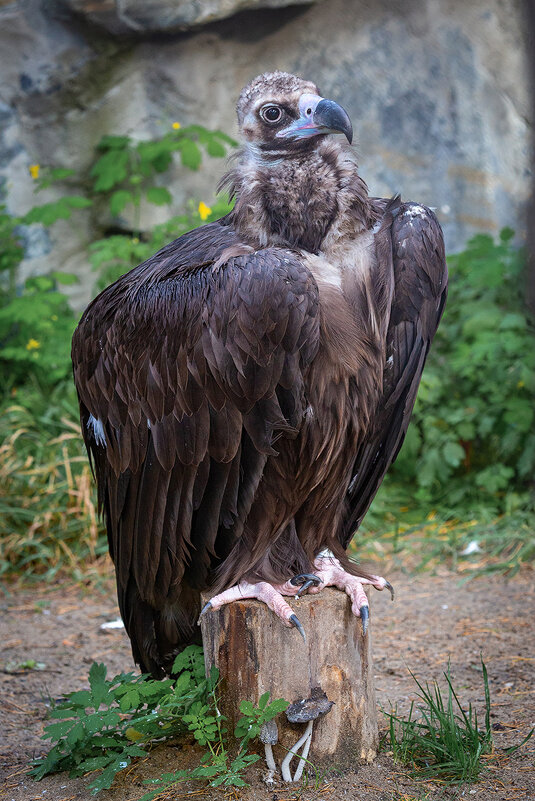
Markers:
point(271, 113)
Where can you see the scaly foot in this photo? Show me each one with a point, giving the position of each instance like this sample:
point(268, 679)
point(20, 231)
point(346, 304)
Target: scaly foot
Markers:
point(332, 574)
point(270, 594)
point(329, 573)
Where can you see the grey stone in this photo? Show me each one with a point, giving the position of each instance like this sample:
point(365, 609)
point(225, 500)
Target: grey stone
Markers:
point(437, 92)
point(142, 17)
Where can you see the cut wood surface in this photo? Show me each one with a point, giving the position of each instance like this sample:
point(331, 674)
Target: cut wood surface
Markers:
point(255, 653)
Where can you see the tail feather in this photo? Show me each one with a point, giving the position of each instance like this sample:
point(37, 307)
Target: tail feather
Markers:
point(157, 636)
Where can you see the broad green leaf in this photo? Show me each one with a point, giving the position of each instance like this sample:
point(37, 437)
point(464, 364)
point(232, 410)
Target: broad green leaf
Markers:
point(67, 279)
point(78, 202)
point(453, 453)
point(119, 200)
point(75, 734)
point(519, 413)
point(276, 707)
point(113, 142)
point(110, 170)
point(246, 708)
point(513, 320)
point(98, 684)
point(190, 154)
point(162, 161)
point(215, 149)
point(158, 195)
point(54, 731)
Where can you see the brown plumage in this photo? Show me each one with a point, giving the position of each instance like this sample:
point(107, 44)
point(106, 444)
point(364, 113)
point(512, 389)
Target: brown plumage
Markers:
point(244, 391)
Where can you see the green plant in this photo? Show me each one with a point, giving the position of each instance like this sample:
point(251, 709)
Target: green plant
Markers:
point(104, 727)
point(248, 727)
point(126, 170)
point(113, 255)
point(36, 322)
point(36, 326)
point(47, 498)
point(471, 443)
point(462, 486)
point(217, 765)
point(445, 741)
point(116, 720)
point(11, 253)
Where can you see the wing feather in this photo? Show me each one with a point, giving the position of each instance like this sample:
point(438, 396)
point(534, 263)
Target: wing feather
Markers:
point(420, 288)
point(191, 372)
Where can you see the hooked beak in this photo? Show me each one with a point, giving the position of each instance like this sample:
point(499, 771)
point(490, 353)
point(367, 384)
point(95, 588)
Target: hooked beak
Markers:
point(318, 116)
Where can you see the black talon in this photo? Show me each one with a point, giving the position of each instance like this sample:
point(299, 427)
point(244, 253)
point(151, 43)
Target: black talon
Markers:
point(297, 623)
point(306, 580)
point(388, 586)
point(303, 577)
point(206, 608)
point(364, 616)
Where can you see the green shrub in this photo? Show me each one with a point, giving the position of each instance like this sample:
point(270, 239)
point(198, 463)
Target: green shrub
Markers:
point(471, 442)
point(48, 518)
point(36, 327)
point(36, 322)
point(117, 720)
point(47, 499)
point(114, 255)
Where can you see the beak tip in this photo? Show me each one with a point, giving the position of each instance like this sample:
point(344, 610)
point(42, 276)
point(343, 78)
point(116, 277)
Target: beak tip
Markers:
point(334, 118)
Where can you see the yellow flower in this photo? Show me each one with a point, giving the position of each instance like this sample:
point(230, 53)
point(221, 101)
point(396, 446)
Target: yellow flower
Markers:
point(54, 317)
point(176, 126)
point(34, 171)
point(204, 211)
point(33, 344)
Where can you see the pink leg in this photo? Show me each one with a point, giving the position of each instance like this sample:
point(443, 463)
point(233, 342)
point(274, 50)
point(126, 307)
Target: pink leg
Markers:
point(329, 573)
point(269, 594)
point(332, 574)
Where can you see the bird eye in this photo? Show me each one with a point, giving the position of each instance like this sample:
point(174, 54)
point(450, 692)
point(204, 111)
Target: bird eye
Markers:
point(271, 113)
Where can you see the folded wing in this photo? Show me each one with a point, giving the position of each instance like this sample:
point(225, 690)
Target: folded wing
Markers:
point(420, 288)
point(188, 370)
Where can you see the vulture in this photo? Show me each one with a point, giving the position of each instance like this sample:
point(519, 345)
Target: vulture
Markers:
point(244, 390)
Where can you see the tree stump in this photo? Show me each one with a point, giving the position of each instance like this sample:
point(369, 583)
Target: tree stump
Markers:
point(255, 653)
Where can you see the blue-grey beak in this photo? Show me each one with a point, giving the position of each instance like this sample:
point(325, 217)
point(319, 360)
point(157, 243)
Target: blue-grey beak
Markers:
point(318, 116)
point(329, 117)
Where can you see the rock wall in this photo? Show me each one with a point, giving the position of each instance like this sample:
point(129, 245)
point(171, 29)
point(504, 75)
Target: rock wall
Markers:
point(437, 91)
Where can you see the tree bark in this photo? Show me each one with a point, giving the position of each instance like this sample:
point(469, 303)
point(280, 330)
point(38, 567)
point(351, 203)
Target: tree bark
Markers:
point(255, 653)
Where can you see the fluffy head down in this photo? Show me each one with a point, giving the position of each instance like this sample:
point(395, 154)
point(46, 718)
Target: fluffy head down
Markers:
point(275, 86)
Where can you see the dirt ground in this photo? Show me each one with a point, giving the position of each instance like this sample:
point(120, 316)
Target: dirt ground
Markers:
point(434, 619)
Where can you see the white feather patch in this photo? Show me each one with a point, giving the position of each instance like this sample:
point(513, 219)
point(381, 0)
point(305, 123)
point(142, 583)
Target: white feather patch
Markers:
point(97, 428)
point(415, 211)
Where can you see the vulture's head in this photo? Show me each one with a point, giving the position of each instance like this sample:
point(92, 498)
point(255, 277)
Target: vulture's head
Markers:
point(292, 182)
point(279, 111)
